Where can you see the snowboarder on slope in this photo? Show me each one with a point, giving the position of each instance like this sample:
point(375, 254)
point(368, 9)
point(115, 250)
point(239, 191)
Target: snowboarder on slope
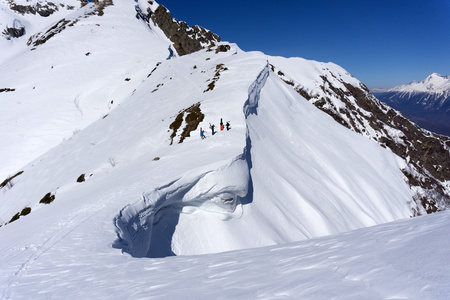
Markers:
point(228, 125)
point(221, 124)
point(212, 128)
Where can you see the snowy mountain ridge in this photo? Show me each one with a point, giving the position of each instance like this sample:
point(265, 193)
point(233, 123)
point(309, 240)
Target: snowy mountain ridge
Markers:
point(350, 103)
point(434, 83)
point(105, 167)
point(327, 86)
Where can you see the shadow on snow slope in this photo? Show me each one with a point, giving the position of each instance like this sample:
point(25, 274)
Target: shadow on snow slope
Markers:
point(145, 229)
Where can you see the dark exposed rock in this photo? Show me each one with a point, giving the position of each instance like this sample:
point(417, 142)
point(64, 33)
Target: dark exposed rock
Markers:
point(219, 68)
point(185, 39)
point(14, 218)
point(24, 212)
point(101, 5)
point(8, 180)
point(48, 198)
point(41, 38)
point(194, 117)
point(175, 125)
point(175, 31)
point(14, 32)
point(223, 48)
point(81, 178)
point(7, 90)
point(44, 10)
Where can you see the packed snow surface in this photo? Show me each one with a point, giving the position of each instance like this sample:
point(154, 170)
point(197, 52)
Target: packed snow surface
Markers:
point(102, 102)
point(401, 260)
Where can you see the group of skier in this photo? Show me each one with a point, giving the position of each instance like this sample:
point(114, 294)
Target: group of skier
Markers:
point(212, 126)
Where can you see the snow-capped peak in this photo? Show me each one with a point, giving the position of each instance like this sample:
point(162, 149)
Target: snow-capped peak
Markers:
point(435, 83)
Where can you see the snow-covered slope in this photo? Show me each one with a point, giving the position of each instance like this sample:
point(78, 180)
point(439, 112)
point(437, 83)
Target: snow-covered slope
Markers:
point(405, 259)
point(101, 141)
point(308, 177)
point(426, 102)
point(73, 79)
point(349, 102)
point(304, 150)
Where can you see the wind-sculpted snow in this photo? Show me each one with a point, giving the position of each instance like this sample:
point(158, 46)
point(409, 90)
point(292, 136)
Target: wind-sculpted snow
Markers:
point(146, 228)
point(251, 105)
point(217, 192)
point(349, 103)
point(299, 179)
point(303, 178)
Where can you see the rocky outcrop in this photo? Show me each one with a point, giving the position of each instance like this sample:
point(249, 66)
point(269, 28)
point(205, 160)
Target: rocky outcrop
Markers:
point(42, 37)
point(185, 39)
point(44, 10)
point(16, 31)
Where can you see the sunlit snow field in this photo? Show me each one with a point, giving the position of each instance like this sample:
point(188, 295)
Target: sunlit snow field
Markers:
point(285, 204)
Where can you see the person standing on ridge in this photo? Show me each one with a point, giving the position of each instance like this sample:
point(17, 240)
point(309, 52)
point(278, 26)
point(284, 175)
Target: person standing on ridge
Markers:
point(221, 124)
point(202, 133)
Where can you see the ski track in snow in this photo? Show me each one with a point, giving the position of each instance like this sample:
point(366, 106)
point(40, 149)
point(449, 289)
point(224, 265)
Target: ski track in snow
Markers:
point(63, 229)
point(387, 261)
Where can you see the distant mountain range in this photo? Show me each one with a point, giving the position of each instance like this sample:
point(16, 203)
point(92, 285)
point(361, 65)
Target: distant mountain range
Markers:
point(426, 102)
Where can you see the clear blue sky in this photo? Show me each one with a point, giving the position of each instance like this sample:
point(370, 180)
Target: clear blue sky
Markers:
point(383, 43)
